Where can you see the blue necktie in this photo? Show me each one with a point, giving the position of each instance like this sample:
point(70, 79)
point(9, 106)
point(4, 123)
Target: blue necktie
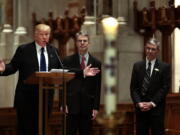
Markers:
point(42, 60)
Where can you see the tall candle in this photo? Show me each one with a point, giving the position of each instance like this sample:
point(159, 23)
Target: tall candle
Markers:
point(110, 103)
point(110, 56)
point(110, 27)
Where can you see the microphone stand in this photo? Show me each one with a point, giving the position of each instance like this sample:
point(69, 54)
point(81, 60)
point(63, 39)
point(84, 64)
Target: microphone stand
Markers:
point(63, 94)
point(63, 81)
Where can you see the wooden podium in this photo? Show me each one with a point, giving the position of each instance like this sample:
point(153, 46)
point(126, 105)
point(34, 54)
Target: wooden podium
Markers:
point(48, 80)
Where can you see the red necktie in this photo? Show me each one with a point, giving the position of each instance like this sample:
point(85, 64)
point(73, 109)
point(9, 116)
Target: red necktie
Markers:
point(83, 59)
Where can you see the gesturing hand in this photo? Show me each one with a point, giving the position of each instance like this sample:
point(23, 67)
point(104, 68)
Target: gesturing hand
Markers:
point(94, 114)
point(2, 66)
point(64, 109)
point(88, 71)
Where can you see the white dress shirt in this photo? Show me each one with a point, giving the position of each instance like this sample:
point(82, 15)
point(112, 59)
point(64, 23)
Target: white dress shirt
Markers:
point(38, 50)
point(86, 58)
point(152, 65)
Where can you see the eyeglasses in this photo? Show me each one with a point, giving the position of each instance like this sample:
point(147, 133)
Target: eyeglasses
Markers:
point(151, 49)
point(82, 41)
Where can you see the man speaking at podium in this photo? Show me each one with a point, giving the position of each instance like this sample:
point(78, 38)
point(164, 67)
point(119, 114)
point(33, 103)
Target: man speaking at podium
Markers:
point(29, 58)
point(38, 55)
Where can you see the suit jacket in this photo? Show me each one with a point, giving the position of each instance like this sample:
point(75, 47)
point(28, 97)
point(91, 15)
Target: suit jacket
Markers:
point(83, 94)
point(26, 62)
point(158, 87)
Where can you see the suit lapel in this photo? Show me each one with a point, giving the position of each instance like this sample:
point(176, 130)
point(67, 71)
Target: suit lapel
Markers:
point(34, 57)
point(76, 60)
point(143, 69)
point(90, 60)
point(49, 56)
point(156, 67)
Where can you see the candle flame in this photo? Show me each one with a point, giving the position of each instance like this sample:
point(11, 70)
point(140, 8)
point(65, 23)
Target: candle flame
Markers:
point(110, 27)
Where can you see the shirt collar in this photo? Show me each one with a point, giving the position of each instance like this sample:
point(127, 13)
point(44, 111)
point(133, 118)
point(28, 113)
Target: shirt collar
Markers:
point(86, 55)
point(152, 62)
point(38, 48)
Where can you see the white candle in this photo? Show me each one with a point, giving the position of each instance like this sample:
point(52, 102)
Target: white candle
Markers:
point(110, 79)
point(110, 27)
point(110, 103)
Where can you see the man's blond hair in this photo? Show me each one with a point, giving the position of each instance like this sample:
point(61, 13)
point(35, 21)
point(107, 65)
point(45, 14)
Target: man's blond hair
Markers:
point(42, 27)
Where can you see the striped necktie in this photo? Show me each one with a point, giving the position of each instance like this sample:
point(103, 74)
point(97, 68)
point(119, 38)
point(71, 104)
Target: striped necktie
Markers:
point(146, 80)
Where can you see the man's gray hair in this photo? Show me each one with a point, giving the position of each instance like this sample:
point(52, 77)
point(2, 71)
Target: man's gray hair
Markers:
point(153, 41)
point(82, 33)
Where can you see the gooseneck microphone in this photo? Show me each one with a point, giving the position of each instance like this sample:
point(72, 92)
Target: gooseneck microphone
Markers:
point(62, 66)
point(62, 92)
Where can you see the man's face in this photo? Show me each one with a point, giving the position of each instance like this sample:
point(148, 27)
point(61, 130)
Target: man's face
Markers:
point(151, 51)
point(82, 44)
point(42, 37)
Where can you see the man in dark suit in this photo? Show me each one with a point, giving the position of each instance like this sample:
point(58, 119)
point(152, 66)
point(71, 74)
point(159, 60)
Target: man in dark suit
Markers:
point(150, 83)
point(28, 59)
point(83, 93)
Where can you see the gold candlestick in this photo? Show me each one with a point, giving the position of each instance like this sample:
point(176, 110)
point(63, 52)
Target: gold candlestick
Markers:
point(110, 122)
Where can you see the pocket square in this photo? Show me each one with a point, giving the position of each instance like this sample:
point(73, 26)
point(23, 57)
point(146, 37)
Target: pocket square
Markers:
point(156, 69)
